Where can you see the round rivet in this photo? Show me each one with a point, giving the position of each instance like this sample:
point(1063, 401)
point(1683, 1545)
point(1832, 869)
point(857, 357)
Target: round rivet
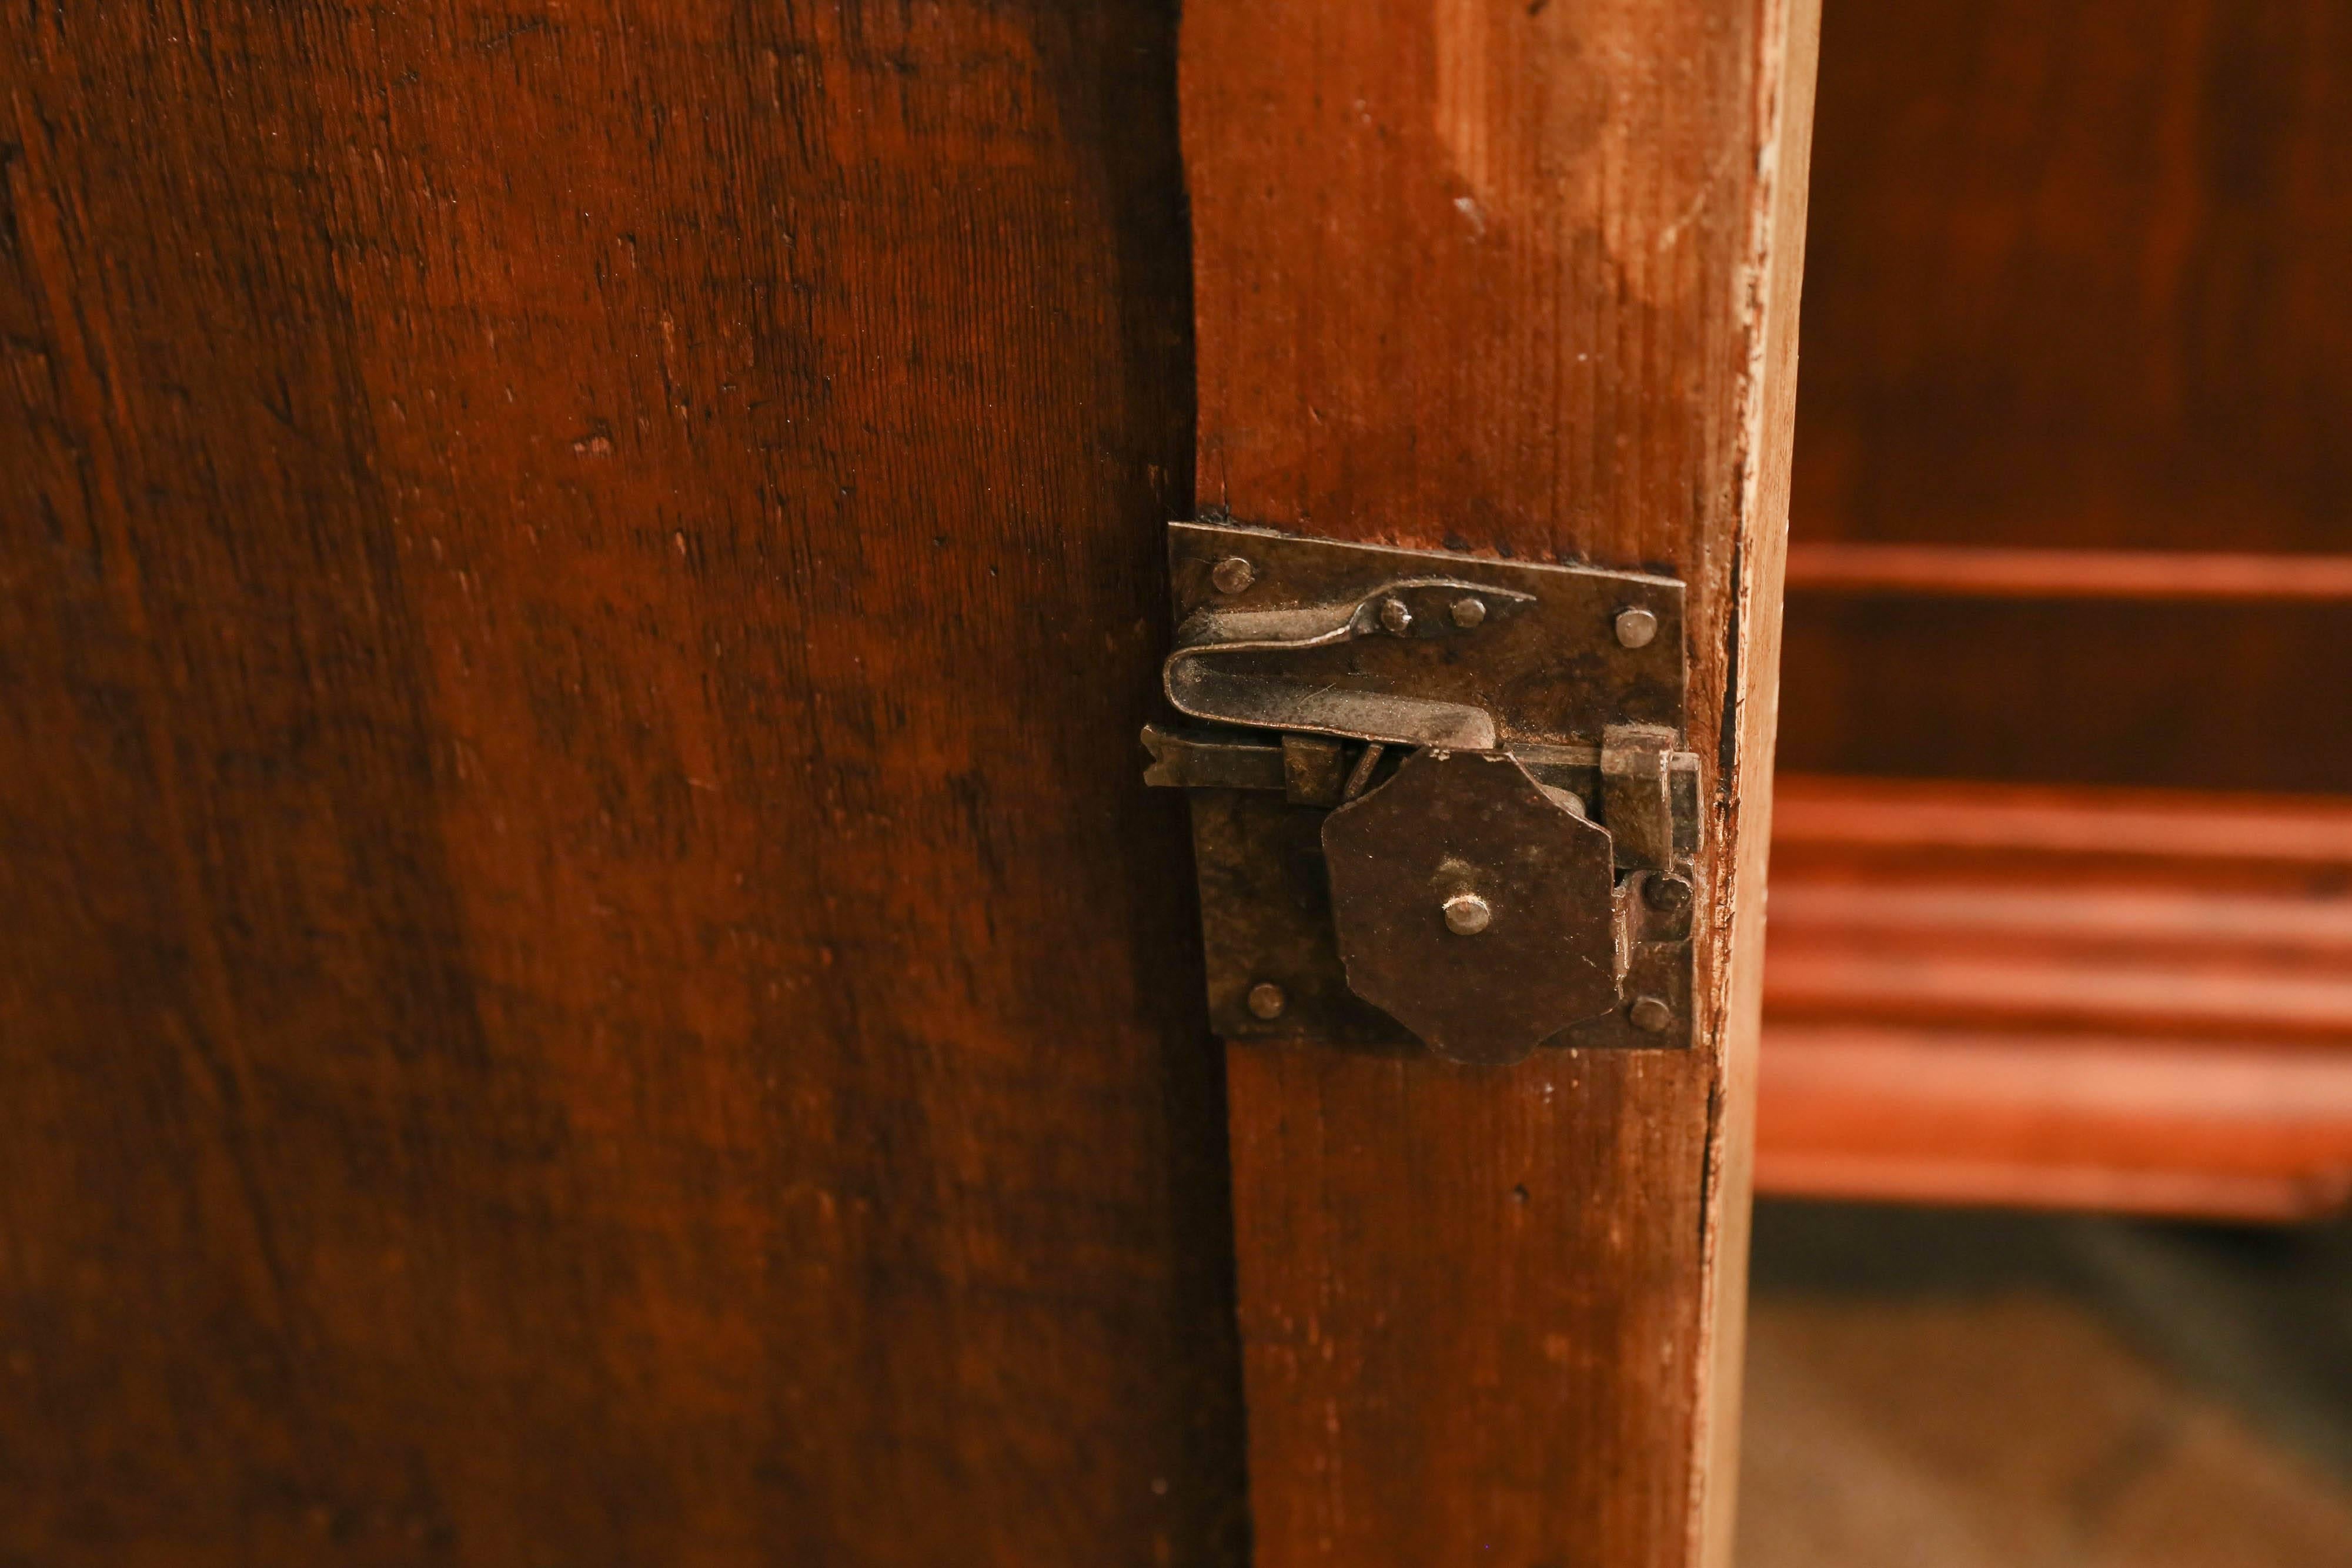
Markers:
point(1667, 894)
point(1469, 611)
point(1649, 1014)
point(1636, 627)
point(1467, 915)
point(1233, 575)
point(1396, 615)
point(1266, 1000)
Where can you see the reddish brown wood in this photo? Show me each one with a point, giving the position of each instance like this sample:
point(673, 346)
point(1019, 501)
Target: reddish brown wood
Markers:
point(1522, 279)
point(586, 973)
point(2178, 693)
point(2237, 1129)
point(2076, 288)
point(2133, 1000)
point(1831, 817)
point(2078, 277)
point(1974, 571)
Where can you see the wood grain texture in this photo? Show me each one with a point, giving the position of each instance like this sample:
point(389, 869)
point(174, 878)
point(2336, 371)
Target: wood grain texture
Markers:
point(2076, 284)
point(587, 975)
point(2078, 276)
point(1521, 279)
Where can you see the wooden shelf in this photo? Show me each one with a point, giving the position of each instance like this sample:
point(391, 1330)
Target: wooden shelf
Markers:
point(1974, 571)
point(2082, 998)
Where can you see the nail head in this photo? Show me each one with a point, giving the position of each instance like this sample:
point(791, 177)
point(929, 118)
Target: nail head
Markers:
point(1467, 915)
point(1233, 575)
point(1650, 1015)
point(1266, 1000)
point(1667, 894)
point(1636, 627)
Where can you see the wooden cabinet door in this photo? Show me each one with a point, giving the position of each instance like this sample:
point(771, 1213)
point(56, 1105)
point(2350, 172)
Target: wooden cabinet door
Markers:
point(586, 973)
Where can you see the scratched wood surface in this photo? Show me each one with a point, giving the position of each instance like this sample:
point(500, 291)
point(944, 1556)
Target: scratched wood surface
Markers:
point(586, 974)
point(1517, 279)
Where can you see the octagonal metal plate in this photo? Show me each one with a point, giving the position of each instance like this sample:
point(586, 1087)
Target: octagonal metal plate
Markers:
point(1473, 824)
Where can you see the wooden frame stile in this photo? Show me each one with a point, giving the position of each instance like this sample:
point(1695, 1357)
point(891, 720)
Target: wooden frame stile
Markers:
point(1519, 278)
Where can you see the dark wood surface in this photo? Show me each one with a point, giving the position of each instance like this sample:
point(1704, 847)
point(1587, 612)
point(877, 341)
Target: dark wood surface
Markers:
point(587, 976)
point(2063, 998)
point(1501, 277)
point(2077, 282)
point(2079, 278)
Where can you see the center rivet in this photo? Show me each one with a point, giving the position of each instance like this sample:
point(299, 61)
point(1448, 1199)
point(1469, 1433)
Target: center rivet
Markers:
point(1467, 915)
point(1396, 615)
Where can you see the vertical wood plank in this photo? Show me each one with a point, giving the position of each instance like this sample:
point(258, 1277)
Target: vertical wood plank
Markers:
point(1517, 278)
point(586, 976)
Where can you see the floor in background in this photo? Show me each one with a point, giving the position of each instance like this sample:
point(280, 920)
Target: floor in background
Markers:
point(1941, 1390)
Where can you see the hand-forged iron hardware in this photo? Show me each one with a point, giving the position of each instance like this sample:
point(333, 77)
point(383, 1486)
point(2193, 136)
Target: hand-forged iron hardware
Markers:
point(1238, 666)
point(1439, 797)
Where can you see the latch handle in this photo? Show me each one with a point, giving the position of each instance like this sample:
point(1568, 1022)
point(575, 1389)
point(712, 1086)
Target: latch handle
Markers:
point(1228, 666)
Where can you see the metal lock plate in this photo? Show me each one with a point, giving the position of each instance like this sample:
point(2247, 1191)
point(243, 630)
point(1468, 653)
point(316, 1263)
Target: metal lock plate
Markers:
point(1436, 797)
point(1472, 907)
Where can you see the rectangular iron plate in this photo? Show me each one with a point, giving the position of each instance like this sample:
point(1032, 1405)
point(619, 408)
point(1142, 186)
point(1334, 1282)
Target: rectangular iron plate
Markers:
point(1555, 675)
point(1558, 678)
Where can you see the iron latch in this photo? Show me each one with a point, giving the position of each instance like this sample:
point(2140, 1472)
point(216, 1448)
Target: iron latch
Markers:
point(1435, 797)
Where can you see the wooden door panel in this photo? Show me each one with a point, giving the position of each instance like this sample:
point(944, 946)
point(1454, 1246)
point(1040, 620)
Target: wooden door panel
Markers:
point(1517, 279)
point(589, 975)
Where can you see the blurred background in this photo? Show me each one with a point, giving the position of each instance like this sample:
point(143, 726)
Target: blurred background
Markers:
point(1948, 1390)
point(2055, 1126)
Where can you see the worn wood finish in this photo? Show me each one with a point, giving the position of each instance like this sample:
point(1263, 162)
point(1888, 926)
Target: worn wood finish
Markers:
point(2108, 999)
point(2077, 285)
point(588, 977)
point(1521, 279)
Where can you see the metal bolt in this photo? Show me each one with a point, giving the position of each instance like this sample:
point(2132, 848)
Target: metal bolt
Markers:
point(1396, 615)
point(1649, 1014)
point(1233, 575)
point(1636, 627)
point(1667, 894)
point(1266, 1000)
point(1467, 915)
point(1469, 611)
